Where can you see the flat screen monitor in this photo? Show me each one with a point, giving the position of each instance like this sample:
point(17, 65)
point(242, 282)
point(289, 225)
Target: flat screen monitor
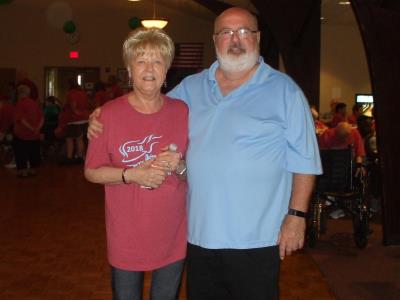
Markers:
point(364, 98)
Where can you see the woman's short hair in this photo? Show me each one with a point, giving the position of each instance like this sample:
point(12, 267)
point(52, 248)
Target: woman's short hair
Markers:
point(142, 40)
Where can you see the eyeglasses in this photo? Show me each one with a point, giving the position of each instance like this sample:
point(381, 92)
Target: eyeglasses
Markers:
point(241, 33)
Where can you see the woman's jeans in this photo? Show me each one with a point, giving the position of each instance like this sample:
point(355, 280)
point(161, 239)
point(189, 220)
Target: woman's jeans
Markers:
point(128, 285)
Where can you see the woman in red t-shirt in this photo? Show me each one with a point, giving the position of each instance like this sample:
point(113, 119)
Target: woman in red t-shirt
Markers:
point(28, 120)
point(139, 160)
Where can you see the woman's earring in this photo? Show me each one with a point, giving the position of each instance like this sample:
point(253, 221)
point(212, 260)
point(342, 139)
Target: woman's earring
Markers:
point(165, 84)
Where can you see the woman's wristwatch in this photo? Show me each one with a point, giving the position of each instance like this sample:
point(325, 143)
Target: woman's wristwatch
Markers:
point(181, 169)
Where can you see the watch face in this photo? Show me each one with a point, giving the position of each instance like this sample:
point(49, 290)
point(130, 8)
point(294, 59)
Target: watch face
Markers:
point(73, 38)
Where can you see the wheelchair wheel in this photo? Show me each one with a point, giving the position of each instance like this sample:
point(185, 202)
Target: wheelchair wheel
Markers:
point(361, 227)
point(314, 224)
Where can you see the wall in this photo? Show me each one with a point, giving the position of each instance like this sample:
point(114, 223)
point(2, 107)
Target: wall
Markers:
point(30, 40)
point(344, 69)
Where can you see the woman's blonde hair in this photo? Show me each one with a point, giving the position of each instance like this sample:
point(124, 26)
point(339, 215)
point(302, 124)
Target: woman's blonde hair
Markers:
point(143, 40)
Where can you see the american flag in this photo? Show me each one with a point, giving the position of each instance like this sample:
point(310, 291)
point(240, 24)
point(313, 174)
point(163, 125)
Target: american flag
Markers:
point(188, 55)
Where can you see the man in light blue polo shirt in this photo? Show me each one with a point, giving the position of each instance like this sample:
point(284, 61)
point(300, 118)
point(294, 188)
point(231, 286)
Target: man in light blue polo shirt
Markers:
point(251, 160)
point(251, 164)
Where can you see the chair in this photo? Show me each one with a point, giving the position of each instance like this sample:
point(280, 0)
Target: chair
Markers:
point(338, 187)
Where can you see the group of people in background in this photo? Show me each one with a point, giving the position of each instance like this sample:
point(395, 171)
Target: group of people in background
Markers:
point(31, 130)
point(339, 130)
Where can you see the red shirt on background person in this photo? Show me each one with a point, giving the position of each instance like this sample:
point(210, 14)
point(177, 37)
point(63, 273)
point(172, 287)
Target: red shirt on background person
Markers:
point(102, 95)
point(78, 104)
point(341, 137)
point(113, 87)
point(28, 119)
point(76, 108)
point(352, 119)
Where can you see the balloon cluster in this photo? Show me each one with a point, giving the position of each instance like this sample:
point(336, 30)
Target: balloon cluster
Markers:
point(134, 22)
point(69, 27)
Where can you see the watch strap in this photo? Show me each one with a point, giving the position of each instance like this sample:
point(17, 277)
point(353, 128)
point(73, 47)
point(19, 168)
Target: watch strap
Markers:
point(297, 213)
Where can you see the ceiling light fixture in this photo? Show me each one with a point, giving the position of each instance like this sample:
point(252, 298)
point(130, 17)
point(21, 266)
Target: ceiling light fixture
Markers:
point(344, 3)
point(154, 22)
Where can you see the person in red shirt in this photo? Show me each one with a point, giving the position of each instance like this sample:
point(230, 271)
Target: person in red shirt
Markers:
point(141, 170)
point(27, 124)
point(113, 87)
point(340, 114)
point(73, 120)
point(352, 119)
point(341, 137)
point(101, 95)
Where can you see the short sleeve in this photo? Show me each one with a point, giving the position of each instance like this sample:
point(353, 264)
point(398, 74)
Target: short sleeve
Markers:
point(97, 153)
point(302, 153)
point(179, 92)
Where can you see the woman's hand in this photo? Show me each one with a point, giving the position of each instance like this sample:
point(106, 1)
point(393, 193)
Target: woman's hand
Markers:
point(95, 127)
point(167, 160)
point(146, 175)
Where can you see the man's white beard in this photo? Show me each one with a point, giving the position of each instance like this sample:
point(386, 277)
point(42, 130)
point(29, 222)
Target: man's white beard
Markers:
point(237, 63)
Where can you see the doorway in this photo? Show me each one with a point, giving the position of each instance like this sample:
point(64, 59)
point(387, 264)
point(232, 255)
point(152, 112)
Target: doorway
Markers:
point(56, 80)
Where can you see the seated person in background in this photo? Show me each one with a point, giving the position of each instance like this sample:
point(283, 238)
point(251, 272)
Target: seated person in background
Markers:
point(320, 127)
point(340, 114)
point(352, 119)
point(326, 117)
point(341, 137)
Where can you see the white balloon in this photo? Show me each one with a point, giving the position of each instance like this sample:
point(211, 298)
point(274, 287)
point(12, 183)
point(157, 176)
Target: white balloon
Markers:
point(58, 13)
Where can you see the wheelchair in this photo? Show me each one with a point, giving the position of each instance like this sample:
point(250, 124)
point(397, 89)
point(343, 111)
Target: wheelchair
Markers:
point(339, 188)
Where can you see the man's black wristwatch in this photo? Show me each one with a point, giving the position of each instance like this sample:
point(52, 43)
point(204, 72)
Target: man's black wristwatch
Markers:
point(297, 213)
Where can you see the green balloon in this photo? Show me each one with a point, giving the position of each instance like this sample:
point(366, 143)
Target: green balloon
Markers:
point(134, 22)
point(69, 27)
point(5, 1)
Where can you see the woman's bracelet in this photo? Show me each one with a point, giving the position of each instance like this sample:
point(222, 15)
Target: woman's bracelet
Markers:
point(123, 176)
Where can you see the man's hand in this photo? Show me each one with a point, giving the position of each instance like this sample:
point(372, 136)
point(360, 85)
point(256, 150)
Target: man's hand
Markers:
point(291, 236)
point(95, 127)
